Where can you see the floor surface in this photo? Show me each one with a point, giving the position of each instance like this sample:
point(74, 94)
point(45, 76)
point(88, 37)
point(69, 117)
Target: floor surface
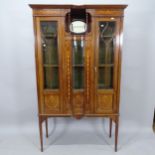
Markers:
point(71, 140)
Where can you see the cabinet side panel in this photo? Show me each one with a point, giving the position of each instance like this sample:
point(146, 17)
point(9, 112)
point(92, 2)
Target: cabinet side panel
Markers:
point(38, 66)
point(119, 63)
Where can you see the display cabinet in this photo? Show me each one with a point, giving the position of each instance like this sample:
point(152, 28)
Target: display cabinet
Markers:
point(78, 61)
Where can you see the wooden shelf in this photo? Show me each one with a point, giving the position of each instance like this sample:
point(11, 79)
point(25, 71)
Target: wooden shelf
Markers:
point(106, 36)
point(78, 65)
point(50, 35)
point(50, 65)
point(106, 65)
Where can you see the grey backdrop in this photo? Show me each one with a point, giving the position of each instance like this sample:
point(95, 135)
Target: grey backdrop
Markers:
point(18, 98)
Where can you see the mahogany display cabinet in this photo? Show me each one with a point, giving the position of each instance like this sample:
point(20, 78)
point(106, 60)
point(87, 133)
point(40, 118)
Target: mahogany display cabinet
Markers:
point(78, 61)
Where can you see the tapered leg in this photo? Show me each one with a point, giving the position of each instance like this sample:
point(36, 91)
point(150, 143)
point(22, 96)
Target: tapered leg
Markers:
point(110, 127)
point(116, 132)
point(46, 125)
point(41, 133)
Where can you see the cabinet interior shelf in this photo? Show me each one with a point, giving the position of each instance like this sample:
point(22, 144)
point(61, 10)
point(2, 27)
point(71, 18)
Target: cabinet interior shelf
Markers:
point(105, 65)
point(50, 36)
point(50, 65)
point(108, 36)
point(78, 65)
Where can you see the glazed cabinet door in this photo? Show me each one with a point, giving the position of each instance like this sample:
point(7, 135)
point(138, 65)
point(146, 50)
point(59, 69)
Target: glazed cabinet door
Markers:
point(49, 64)
point(106, 64)
point(77, 57)
point(80, 57)
point(78, 75)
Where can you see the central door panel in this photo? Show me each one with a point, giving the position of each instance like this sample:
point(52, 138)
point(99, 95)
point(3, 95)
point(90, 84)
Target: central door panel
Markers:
point(77, 68)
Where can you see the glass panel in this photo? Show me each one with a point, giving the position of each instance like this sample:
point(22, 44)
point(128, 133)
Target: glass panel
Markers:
point(50, 54)
point(106, 42)
point(105, 78)
point(51, 77)
point(49, 42)
point(107, 37)
point(78, 77)
point(106, 55)
point(78, 51)
point(78, 63)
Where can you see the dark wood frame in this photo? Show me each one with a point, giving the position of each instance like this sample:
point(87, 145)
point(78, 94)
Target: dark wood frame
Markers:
point(65, 95)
